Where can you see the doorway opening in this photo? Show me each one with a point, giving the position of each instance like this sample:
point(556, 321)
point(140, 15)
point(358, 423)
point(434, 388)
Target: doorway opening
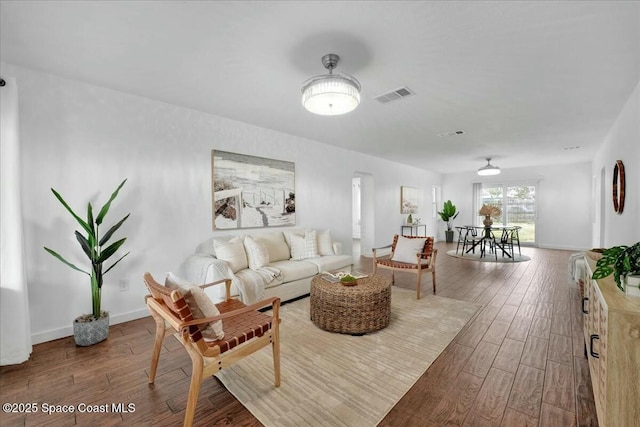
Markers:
point(362, 222)
point(356, 213)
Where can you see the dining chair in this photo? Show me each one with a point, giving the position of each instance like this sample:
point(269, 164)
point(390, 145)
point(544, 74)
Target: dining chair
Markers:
point(516, 238)
point(505, 243)
point(462, 235)
point(471, 240)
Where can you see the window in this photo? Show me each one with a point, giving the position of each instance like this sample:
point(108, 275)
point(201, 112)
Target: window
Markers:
point(434, 202)
point(517, 203)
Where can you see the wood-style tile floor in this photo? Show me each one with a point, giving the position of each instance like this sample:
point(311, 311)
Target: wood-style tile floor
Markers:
point(519, 362)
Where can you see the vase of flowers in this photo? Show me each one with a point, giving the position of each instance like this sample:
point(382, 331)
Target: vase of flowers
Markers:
point(489, 212)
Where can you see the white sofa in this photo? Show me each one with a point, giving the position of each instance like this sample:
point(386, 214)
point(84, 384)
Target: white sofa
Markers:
point(265, 263)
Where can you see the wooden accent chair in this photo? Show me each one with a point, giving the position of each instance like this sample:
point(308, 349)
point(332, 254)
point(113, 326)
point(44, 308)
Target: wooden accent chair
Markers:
point(425, 262)
point(246, 330)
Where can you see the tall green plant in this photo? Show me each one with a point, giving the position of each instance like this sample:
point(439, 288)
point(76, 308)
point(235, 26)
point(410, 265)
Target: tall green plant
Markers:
point(93, 245)
point(448, 213)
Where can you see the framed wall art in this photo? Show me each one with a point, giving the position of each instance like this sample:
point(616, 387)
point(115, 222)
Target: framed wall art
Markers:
point(249, 191)
point(408, 200)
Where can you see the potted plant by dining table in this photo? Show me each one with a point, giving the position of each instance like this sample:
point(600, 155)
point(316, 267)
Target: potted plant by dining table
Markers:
point(448, 214)
point(93, 328)
point(624, 263)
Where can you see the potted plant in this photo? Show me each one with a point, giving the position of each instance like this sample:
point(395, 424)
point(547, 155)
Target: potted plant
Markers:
point(448, 214)
point(624, 263)
point(92, 328)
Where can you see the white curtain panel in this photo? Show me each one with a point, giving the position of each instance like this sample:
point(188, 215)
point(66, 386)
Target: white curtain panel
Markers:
point(477, 202)
point(15, 332)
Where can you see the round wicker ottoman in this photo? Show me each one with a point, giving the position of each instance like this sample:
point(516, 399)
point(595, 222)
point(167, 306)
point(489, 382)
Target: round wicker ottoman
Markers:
point(354, 310)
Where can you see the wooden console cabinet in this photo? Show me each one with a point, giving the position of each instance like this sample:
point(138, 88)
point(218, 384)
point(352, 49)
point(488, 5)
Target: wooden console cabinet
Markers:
point(612, 337)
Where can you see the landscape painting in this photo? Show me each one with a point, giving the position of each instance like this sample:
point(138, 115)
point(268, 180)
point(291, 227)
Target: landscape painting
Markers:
point(250, 192)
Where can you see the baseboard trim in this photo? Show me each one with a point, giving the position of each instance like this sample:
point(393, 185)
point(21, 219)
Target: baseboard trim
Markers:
point(56, 334)
point(561, 248)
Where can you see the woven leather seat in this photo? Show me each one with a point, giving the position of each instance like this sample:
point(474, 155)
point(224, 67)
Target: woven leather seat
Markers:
point(425, 262)
point(246, 330)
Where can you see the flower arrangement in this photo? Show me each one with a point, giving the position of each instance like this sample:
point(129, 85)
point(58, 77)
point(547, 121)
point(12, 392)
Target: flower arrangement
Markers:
point(490, 211)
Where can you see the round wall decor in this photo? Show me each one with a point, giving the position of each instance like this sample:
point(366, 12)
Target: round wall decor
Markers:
point(618, 187)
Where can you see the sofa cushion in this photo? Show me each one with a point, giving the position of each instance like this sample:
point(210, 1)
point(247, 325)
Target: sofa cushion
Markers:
point(304, 247)
point(325, 243)
point(406, 249)
point(232, 252)
point(199, 304)
point(276, 245)
point(294, 270)
point(257, 253)
point(331, 262)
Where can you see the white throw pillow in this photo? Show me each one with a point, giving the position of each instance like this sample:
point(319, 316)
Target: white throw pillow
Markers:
point(257, 253)
point(275, 244)
point(303, 247)
point(199, 304)
point(288, 234)
point(406, 249)
point(325, 243)
point(232, 252)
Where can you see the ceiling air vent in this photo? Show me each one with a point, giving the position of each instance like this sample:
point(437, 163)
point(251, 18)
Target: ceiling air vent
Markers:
point(393, 95)
point(451, 133)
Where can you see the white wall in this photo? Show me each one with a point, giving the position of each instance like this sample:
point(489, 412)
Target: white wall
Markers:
point(621, 143)
point(83, 140)
point(563, 201)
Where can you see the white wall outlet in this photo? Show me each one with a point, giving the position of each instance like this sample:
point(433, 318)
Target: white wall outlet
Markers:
point(124, 285)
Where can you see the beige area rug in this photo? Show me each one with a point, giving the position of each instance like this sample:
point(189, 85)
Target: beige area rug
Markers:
point(488, 257)
point(331, 379)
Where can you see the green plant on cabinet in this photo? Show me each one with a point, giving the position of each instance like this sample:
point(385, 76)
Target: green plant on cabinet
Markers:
point(621, 261)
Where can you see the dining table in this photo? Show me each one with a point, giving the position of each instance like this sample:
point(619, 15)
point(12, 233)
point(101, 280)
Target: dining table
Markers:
point(499, 238)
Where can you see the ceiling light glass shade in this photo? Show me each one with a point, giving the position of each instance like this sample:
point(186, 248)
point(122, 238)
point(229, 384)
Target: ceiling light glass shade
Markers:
point(331, 94)
point(489, 169)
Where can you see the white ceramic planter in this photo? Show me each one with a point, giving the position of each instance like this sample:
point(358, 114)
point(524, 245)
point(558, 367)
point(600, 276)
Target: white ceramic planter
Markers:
point(632, 285)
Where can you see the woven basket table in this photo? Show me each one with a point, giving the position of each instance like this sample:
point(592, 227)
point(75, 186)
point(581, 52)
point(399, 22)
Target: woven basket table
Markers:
point(354, 310)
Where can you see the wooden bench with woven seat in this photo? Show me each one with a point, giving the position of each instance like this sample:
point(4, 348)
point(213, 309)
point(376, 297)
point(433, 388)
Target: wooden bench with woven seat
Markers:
point(425, 261)
point(246, 330)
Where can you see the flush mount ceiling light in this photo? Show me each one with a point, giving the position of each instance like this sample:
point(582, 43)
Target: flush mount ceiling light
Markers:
point(489, 169)
point(331, 94)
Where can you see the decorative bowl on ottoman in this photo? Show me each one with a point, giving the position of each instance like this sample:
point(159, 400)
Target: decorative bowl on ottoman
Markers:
point(348, 280)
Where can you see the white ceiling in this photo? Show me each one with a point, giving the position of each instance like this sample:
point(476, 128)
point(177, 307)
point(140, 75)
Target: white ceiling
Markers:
point(524, 80)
